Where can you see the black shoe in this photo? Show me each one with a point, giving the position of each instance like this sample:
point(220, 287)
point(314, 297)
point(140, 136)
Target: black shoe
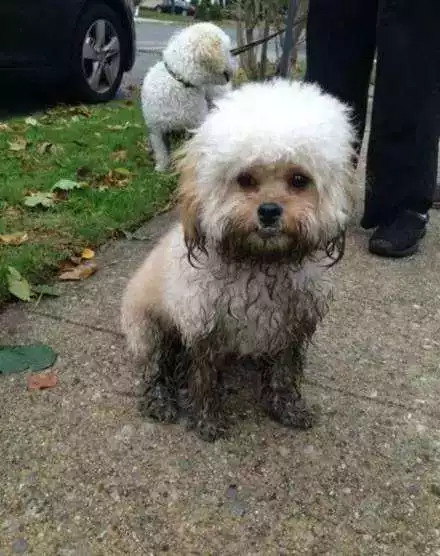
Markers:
point(399, 238)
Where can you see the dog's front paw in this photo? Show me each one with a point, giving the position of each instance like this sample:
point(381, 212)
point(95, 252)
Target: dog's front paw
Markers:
point(209, 430)
point(159, 404)
point(289, 410)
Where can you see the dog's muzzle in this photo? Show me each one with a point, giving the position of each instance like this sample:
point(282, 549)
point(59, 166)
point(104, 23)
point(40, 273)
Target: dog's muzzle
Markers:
point(269, 217)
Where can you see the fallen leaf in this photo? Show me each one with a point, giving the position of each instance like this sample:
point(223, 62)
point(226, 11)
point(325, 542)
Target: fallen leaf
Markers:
point(119, 177)
point(47, 147)
point(44, 147)
point(17, 285)
point(44, 199)
point(75, 260)
point(81, 110)
point(44, 289)
point(67, 185)
point(80, 272)
point(87, 253)
point(42, 381)
point(122, 172)
point(75, 119)
point(19, 144)
point(35, 357)
point(4, 127)
point(119, 156)
point(16, 238)
point(31, 121)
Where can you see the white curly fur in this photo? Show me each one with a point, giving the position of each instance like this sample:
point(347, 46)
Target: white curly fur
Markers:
point(199, 55)
point(265, 124)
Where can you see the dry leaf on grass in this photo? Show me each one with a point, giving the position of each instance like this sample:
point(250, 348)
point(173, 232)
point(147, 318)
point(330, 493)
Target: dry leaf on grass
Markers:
point(42, 381)
point(46, 147)
point(16, 238)
point(39, 198)
point(81, 272)
point(119, 156)
point(4, 127)
point(19, 144)
point(119, 177)
point(31, 121)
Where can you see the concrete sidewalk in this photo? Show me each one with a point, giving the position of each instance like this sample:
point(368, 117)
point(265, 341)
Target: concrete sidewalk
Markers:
point(83, 474)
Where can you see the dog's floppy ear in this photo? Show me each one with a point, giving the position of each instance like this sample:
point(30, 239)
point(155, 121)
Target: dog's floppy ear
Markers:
point(189, 204)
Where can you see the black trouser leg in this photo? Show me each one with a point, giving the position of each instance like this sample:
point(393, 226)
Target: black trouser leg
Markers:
point(403, 146)
point(341, 41)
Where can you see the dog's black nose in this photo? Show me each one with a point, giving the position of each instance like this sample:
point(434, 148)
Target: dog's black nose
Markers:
point(269, 213)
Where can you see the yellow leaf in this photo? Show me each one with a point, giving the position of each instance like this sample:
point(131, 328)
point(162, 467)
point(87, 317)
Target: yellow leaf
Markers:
point(87, 253)
point(16, 238)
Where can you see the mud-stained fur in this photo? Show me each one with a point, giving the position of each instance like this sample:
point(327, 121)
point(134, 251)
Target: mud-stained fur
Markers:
point(228, 282)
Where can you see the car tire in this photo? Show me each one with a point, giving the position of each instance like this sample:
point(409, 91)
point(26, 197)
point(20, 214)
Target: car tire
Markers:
point(99, 48)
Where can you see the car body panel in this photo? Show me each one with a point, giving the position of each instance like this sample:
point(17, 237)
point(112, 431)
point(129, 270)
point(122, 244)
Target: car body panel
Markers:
point(38, 34)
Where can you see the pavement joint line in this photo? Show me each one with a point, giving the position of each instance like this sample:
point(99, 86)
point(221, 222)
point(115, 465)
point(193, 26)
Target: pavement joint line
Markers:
point(80, 324)
point(365, 397)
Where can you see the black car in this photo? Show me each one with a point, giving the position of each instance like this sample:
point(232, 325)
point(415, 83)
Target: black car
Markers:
point(88, 44)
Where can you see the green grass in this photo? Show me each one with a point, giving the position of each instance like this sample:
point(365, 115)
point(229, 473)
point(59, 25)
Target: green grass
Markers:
point(83, 140)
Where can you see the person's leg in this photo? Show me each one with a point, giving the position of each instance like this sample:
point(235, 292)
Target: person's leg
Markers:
point(403, 147)
point(341, 39)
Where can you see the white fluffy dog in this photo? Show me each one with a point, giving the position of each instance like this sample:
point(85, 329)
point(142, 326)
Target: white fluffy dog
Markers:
point(177, 92)
point(265, 196)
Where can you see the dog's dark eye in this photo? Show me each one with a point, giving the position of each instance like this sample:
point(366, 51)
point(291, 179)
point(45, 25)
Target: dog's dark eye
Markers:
point(299, 181)
point(246, 181)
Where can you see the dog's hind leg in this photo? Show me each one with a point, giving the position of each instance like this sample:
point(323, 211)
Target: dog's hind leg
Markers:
point(158, 143)
point(281, 389)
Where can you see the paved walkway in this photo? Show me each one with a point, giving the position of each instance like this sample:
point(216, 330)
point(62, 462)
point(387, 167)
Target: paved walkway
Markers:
point(82, 473)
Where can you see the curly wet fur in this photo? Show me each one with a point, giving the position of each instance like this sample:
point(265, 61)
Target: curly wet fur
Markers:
point(217, 289)
point(200, 59)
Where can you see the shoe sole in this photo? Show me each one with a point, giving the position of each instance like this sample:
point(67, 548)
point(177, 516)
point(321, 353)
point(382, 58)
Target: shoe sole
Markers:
point(397, 254)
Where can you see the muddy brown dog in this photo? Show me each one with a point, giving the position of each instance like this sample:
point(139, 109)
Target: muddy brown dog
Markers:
point(265, 196)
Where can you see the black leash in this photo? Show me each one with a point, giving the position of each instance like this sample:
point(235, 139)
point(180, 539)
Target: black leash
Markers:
point(241, 49)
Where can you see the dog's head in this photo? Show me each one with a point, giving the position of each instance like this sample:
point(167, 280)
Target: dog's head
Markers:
point(268, 175)
point(201, 55)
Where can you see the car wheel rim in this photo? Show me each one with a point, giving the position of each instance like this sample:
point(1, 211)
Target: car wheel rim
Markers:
point(101, 56)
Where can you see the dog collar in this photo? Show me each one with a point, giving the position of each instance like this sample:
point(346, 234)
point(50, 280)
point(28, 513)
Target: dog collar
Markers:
point(174, 75)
